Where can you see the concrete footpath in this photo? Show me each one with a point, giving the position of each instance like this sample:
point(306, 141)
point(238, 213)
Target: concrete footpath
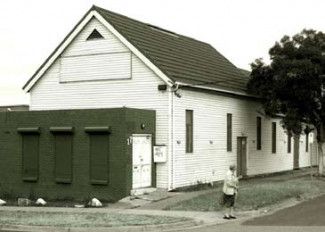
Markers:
point(198, 221)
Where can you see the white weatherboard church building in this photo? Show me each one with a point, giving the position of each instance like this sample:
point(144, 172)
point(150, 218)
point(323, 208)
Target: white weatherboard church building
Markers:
point(204, 116)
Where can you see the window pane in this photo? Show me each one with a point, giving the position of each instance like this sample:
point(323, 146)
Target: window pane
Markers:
point(273, 137)
point(258, 133)
point(189, 131)
point(229, 132)
point(95, 35)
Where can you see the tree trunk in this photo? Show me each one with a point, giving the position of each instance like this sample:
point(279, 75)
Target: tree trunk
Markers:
point(320, 144)
point(320, 158)
point(296, 142)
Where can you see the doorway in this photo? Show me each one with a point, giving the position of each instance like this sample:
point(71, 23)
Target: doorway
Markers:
point(142, 160)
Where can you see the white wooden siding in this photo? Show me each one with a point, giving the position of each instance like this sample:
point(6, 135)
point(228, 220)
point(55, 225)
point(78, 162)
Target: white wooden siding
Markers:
point(210, 158)
point(313, 153)
point(305, 159)
point(139, 92)
point(80, 45)
point(107, 66)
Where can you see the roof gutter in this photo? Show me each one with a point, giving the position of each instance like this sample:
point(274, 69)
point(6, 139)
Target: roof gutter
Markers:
point(180, 84)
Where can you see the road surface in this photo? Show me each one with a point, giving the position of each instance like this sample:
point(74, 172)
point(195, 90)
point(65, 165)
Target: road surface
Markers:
point(307, 216)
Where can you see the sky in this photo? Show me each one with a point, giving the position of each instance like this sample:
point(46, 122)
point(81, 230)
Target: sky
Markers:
point(242, 30)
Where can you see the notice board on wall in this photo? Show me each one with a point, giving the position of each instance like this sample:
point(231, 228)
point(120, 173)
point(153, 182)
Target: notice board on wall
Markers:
point(160, 154)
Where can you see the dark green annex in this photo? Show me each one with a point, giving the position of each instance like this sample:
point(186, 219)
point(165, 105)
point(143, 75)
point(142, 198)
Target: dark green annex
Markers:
point(71, 154)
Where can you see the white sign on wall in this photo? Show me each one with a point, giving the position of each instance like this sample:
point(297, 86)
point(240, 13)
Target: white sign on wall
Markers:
point(160, 154)
point(108, 66)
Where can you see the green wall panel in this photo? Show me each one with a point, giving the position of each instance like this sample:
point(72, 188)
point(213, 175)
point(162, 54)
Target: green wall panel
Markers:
point(98, 151)
point(63, 157)
point(30, 143)
point(119, 124)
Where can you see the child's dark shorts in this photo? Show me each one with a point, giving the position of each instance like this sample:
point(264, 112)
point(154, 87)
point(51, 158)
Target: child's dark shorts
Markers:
point(228, 200)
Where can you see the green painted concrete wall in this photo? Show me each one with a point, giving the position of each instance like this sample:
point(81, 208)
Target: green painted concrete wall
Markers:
point(123, 122)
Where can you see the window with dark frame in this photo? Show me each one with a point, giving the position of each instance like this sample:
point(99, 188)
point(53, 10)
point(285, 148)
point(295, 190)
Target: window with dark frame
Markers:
point(189, 131)
point(95, 35)
point(258, 133)
point(63, 157)
point(273, 137)
point(98, 154)
point(99, 149)
point(63, 137)
point(289, 142)
point(307, 142)
point(229, 132)
point(30, 151)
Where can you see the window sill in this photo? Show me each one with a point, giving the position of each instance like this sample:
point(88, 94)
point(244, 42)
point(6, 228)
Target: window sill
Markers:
point(99, 182)
point(63, 181)
point(30, 179)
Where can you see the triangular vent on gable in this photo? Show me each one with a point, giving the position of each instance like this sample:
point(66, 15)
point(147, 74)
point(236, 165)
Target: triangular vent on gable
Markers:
point(95, 35)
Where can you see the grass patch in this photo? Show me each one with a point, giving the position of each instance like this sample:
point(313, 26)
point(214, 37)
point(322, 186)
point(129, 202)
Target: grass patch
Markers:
point(254, 194)
point(199, 186)
point(65, 219)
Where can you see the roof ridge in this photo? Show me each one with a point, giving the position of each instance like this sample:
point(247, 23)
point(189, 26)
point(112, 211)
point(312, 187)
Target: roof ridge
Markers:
point(148, 24)
point(238, 74)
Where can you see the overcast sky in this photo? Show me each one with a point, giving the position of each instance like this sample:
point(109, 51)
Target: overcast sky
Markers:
point(242, 30)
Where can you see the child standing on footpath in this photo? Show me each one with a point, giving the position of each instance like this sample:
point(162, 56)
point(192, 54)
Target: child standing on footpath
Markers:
point(230, 190)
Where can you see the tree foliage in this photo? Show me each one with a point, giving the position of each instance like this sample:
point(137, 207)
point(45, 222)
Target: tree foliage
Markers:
point(291, 85)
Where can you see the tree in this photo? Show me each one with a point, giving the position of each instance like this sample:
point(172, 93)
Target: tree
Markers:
point(292, 84)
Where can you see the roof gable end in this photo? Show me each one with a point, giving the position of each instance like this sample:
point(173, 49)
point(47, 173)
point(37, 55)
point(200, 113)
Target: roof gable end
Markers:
point(175, 58)
point(75, 31)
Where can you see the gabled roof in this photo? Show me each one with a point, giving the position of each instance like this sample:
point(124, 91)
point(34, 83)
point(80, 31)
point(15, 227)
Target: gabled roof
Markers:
point(182, 59)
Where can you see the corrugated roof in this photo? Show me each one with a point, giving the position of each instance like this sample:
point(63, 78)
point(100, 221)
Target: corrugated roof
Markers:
point(181, 58)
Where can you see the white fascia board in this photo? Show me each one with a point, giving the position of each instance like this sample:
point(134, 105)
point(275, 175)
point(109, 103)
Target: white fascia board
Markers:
point(66, 43)
point(133, 49)
point(58, 52)
point(216, 89)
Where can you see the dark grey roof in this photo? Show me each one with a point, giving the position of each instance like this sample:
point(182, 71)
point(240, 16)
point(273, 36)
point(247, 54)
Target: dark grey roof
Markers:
point(181, 58)
point(245, 72)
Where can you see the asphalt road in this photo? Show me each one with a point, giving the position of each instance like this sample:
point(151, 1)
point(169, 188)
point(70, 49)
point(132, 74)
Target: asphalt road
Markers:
point(237, 227)
point(307, 216)
point(309, 213)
